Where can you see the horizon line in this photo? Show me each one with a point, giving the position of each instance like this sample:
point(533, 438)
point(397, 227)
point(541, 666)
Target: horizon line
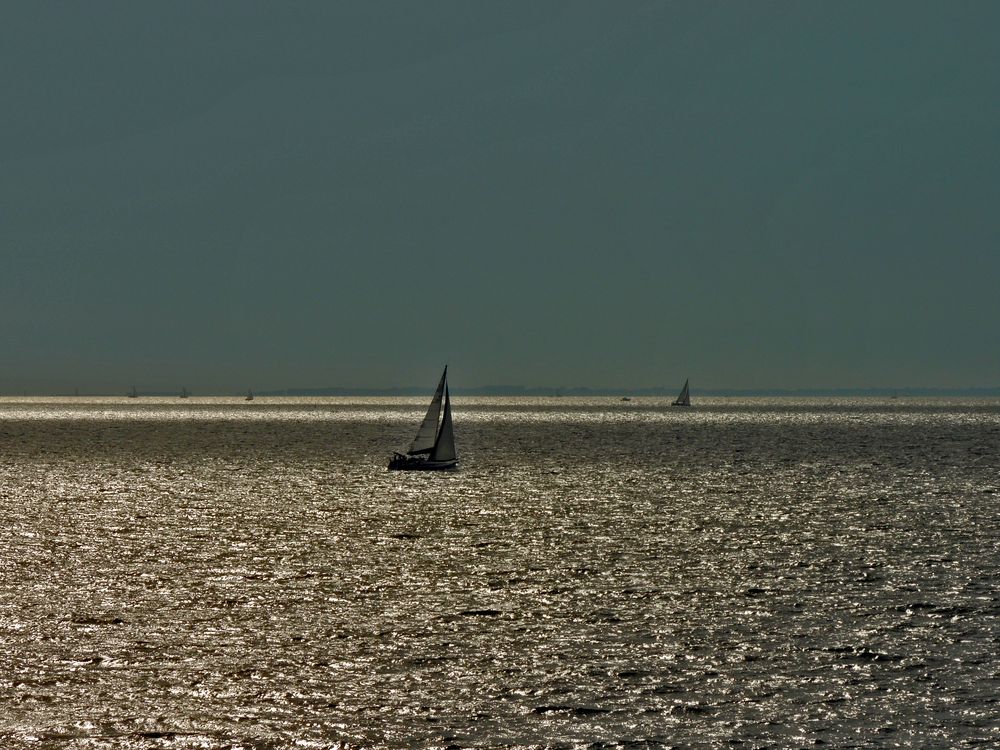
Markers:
point(543, 391)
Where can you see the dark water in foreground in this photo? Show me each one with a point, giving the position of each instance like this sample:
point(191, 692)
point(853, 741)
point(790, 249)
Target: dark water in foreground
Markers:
point(747, 573)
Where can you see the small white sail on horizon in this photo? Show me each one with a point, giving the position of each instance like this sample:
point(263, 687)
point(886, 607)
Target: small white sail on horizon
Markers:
point(684, 398)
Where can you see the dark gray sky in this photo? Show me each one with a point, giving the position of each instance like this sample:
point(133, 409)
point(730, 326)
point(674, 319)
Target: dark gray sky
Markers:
point(761, 194)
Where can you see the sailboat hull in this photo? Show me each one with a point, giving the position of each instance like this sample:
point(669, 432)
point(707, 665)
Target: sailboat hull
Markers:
point(419, 463)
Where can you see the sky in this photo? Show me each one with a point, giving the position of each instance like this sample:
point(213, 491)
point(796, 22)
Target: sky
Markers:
point(251, 194)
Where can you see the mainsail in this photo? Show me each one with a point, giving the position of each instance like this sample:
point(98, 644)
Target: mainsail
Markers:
point(427, 434)
point(684, 399)
point(444, 448)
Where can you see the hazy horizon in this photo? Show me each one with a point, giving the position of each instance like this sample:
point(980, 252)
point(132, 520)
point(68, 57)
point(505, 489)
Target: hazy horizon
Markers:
point(529, 391)
point(758, 196)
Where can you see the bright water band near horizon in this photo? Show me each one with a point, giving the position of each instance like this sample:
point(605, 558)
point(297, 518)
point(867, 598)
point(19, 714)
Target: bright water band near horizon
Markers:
point(214, 573)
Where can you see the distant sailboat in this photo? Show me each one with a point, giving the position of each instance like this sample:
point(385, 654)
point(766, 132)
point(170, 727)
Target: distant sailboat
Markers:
point(434, 446)
point(184, 392)
point(249, 395)
point(684, 399)
point(133, 393)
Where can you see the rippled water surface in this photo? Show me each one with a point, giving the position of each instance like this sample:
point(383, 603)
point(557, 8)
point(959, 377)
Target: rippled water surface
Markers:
point(212, 573)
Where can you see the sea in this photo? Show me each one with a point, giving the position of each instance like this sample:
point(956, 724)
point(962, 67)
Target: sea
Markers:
point(750, 573)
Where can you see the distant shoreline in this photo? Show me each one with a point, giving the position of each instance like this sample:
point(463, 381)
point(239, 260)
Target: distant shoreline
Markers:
point(648, 392)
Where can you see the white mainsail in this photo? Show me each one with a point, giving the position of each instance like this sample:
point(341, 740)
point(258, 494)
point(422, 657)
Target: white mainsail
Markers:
point(444, 448)
point(684, 399)
point(427, 434)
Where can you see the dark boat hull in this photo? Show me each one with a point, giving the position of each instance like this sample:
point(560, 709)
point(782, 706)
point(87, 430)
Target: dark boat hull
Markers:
point(418, 463)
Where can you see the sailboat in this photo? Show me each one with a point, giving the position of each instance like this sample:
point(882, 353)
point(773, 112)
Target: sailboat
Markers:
point(133, 393)
point(433, 449)
point(184, 392)
point(249, 395)
point(684, 398)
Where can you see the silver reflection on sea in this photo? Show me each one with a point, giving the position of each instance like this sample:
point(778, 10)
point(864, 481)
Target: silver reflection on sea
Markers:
point(215, 573)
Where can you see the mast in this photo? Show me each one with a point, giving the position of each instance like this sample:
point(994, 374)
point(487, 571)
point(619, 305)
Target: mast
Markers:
point(427, 434)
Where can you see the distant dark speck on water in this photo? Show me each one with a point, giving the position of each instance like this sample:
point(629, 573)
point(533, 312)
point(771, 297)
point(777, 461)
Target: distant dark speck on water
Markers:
point(481, 612)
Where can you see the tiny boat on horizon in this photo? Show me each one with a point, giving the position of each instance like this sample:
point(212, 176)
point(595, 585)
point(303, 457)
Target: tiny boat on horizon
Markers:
point(684, 398)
